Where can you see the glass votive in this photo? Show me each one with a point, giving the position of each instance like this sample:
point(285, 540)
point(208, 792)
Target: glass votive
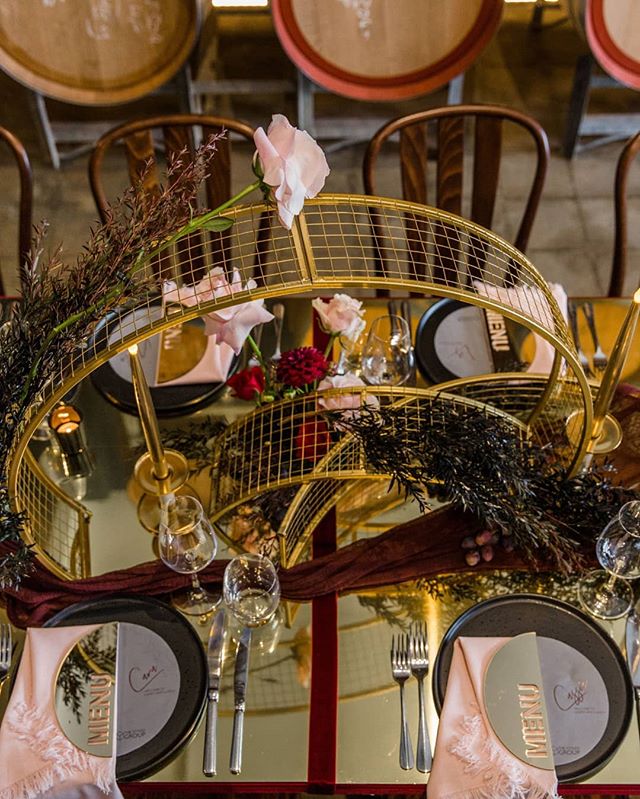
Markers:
point(65, 422)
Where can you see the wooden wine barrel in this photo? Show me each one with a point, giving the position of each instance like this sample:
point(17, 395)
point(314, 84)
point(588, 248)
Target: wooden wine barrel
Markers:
point(613, 33)
point(381, 50)
point(96, 52)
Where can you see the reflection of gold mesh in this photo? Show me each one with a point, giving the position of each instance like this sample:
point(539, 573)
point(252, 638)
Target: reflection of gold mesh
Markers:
point(56, 523)
point(289, 443)
point(349, 242)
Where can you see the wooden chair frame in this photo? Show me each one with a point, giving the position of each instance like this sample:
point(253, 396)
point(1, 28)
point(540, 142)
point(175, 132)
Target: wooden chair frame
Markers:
point(619, 266)
point(137, 138)
point(26, 196)
point(487, 153)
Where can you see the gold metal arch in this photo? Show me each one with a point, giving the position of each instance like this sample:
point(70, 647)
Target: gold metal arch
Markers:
point(353, 242)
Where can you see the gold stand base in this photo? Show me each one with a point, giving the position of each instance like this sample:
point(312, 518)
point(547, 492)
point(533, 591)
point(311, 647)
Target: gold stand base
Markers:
point(154, 488)
point(178, 473)
point(610, 436)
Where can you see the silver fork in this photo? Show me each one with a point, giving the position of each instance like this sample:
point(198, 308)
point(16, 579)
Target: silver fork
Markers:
point(401, 672)
point(419, 662)
point(573, 321)
point(5, 651)
point(600, 359)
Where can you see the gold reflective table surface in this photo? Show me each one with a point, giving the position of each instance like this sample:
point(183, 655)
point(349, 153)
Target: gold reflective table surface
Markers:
point(277, 740)
point(110, 494)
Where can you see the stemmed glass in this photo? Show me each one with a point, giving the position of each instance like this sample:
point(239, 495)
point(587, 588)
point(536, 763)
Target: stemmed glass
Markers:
point(387, 356)
point(187, 544)
point(607, 594)
point(251, 589)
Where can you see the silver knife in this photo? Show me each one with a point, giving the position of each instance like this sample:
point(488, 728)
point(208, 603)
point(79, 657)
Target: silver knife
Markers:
point(632, 642)
point(239, 691)
point(215, 651)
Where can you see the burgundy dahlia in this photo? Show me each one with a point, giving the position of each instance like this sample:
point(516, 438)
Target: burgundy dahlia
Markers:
point(302, 366)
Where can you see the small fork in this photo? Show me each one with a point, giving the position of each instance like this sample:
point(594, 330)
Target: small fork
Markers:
point(401, 672)
point(5, 651)
point(600, 360)
point(573, 321)
point(419, 662)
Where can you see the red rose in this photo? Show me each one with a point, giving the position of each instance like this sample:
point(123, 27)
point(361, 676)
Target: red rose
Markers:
point(312, 439)
point(247, 384)
point(301, 367)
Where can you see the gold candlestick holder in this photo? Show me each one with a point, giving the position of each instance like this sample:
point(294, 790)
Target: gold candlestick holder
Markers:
point(159, 471)
point(606, 432)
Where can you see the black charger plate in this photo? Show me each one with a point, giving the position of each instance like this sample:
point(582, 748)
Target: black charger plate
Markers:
point(452, 341)
point(183, 641)
point(521, 613)
point(168, 401)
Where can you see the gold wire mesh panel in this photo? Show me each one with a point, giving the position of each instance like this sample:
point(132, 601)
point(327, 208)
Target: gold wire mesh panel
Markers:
point(352, 242)
point(58, 525)
point(289, 442)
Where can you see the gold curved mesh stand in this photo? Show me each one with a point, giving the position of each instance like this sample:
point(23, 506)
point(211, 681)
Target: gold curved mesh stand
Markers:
point(351, 243)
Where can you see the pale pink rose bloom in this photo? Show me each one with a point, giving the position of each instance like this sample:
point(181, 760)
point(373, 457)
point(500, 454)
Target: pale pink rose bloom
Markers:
point(293, 164)
point(342, 315)
point(230, 325)
point(203, 291)
point(350, 403)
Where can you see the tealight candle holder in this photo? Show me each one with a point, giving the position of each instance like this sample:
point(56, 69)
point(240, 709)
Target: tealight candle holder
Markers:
point(66, 423)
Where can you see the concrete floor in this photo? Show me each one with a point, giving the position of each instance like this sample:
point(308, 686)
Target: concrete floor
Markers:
point(532, 71)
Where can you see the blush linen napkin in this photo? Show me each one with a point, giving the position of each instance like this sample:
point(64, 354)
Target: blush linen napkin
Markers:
point(531, 301)
point(36, 758)
point(469, 761)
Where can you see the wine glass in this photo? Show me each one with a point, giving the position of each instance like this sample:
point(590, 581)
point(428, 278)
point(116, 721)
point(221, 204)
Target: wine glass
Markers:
point(607, 594)
point(187, 544)
point(387, 356)
point(251, 589)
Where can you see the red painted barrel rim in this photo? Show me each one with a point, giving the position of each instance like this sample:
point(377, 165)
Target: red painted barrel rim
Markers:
point(612, 59)
point(398, 87)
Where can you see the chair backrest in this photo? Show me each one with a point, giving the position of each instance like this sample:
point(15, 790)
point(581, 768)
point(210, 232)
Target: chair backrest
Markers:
point(619, 266)
point(26, 195)
point(142, 146)
point(450, 130)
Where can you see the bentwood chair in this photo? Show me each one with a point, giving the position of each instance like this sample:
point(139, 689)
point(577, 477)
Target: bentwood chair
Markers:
point(19, 155)
point(484, 124)
point(145, 140)
point(619, 266)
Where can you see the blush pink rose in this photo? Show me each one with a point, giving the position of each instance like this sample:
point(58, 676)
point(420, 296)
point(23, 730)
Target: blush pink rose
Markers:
point(230, 325)
point(350, 403)
point(293, 165)
point(342, 315)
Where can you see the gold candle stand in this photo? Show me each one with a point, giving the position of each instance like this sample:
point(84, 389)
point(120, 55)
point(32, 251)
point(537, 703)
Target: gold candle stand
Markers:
point(606, 432)
point(158, 471)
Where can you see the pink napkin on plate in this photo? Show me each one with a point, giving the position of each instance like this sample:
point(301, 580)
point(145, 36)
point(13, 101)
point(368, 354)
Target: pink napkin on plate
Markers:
point(531, 301)
point(36, 758)
point(469, 761)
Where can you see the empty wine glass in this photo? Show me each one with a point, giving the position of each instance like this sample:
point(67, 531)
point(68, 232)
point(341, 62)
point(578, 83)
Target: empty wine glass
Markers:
point(251, 589)
point(187, 544)
point(387, 356)
point(607, 594)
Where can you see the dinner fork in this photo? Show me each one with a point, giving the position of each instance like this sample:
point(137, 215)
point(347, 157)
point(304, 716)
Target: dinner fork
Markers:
point(419, 662)
point(600, 359)
point(5, 651)
point(573, 321)
point(401, 672)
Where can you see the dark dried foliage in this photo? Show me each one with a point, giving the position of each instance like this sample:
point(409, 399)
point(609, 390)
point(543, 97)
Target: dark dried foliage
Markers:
point(480, 463)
